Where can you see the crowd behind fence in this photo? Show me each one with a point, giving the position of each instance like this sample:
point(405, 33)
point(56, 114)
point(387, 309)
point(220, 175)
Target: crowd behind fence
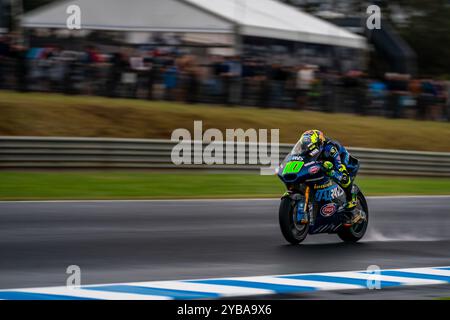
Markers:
point(161, 74)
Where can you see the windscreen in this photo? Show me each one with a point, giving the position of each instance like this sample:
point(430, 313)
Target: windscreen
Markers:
point(300, 148)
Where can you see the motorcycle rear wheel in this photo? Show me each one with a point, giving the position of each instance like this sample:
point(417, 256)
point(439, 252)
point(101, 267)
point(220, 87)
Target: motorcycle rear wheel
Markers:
point(357, 231)
point(293, 233)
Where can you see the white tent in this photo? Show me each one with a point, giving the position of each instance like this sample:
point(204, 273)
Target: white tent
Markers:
point(260, 18)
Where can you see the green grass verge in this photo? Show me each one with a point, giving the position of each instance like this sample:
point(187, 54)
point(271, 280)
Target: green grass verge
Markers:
point(39, 114)
point(149, 185)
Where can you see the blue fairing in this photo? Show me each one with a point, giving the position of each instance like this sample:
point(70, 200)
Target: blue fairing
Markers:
point(327, 197)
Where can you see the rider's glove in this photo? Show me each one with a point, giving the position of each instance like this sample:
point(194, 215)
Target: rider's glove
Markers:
point(328, 166)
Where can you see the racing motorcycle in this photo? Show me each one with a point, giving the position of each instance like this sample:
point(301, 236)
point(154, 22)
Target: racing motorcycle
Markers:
point(314, 203)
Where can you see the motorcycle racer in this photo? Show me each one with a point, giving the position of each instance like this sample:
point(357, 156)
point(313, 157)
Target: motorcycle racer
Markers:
point(336, 160)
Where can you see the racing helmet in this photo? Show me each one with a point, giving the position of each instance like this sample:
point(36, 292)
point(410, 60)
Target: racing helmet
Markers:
point(311, 143)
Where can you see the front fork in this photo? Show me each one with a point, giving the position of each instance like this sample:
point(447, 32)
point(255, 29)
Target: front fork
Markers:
point(302, 204)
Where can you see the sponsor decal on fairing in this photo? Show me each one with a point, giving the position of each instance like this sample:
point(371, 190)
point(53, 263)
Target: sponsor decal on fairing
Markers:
point(328, 210)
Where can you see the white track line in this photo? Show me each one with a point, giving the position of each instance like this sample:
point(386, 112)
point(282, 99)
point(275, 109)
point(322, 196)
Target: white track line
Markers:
point(436, 272)
point(245, 289)
point(378, 277)
point(318, 285)
point(226, 291)
point(80, 293)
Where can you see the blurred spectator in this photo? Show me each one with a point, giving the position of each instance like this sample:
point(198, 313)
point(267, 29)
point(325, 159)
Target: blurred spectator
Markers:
point(4, 54)
point(4, 46)
point(91, 71)
point(118, 65)
point(217, 67)
point(151, 75)
point(447, 107)
point(277, 77)
point(57, 69)
point(250, 81)
point(398, 86)
point(305, 78)
point(232, 78)
point(377, 93)
point(427, 98)
point(19, 54)
point(192, 78)
point(438, 109)
point(329, 97)
point(172, 74)
point(356, 88)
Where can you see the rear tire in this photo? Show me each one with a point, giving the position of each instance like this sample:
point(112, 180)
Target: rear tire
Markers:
point(292, 232)
point(356, 232)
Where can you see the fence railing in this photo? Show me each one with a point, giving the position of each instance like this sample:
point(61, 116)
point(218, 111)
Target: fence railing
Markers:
point(105, 153)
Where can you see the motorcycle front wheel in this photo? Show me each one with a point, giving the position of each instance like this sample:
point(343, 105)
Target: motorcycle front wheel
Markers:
point(292, 231)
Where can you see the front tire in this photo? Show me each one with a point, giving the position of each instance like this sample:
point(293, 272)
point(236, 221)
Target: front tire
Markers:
point(356, 232)
point(293, 233)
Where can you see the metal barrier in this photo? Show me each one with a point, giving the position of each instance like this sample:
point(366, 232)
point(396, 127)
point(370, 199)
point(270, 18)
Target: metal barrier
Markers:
point(104, 153)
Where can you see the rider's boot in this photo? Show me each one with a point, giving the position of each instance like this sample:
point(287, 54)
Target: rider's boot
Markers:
point(352, 216)
point(352, 200)
point(346, 183)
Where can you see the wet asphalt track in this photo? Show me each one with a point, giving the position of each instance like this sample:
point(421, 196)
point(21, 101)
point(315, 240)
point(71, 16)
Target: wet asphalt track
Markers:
point(162, 240)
